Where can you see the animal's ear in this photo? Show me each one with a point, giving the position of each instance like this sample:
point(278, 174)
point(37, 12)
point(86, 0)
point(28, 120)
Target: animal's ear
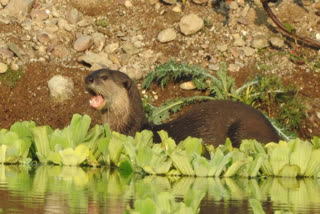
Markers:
point(127, 84)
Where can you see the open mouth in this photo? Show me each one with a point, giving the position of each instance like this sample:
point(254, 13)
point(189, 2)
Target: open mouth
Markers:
point(96, 101)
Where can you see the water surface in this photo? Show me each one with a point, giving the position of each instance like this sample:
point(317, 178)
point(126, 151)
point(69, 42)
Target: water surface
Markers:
point(55, 189)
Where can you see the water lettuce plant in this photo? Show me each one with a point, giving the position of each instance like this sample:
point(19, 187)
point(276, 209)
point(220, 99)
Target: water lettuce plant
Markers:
point(78, 144)
point(16, 142)
point(71, 146)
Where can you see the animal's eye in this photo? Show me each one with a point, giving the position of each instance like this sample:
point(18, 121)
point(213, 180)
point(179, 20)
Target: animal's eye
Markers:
point(104, 77)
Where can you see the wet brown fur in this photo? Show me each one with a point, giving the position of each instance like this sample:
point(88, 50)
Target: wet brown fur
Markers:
point(213, 121)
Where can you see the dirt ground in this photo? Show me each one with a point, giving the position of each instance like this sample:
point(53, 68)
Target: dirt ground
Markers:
point(30, 99)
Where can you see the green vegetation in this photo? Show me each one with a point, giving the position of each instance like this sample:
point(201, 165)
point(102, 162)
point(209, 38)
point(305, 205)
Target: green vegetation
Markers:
point(11, 77)
point(266, 92)
point(102, 22)
point(98, 146)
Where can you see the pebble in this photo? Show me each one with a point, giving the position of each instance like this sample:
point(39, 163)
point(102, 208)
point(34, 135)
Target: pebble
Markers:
point(64, 25)
point(83, 43)
point(214, 67)
point(233, 67)
point(233, 5)
point(73, 16)
point(239, 42)
point(40, 15)
point(248, 51)
point(317, 5)
point(60, 88)
point(44, 38)
point(187, 85)
point(259, 42)
point(190, 24)
point(6, 53)
point(3, 67)
point(128, 3)
point(111, 48)
point(96, 59)
point(17, 8)
point(4, 2)
point(130, 49)
point(276, 42)
point(98, 41)
point(170, 1)
point(177, 8)
point(223, 47)
point(167, 35)
point(200, 1)
point(14, 66)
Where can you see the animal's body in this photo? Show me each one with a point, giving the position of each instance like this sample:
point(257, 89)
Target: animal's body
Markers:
point(118, 99)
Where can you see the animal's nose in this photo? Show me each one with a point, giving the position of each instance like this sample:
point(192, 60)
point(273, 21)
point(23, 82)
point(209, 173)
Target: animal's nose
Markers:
point(89, 79)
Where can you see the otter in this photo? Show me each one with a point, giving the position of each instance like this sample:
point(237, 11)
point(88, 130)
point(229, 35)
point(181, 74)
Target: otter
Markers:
point(116, 96)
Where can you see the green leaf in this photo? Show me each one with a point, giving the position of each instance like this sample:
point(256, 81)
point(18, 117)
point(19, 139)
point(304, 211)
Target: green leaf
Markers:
point(77, 130)
point(40, 136)
point(182, 162)
point(200, 166)
point(300, 154)
point(75, 157)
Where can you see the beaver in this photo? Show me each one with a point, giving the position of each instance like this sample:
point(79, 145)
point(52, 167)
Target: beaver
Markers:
point(116, 96)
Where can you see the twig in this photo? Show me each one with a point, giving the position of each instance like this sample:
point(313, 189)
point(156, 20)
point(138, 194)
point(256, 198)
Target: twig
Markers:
point(303, 39)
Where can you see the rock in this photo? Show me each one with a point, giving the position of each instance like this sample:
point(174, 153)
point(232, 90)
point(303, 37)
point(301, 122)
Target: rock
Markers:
point(200, 1)
point(60, 88)
point(128, 3)
point(86, 22)
point(233, 5)
point(248, 51)
point(243, 21)
point(14, 67)
point(239, 42)
point(44, 38)
point(51, 28)
point(317, 5)
point(101, 59)
point(222, 48)
point(235, 52)
point(130, 49)
point(98, 41)
point(214, 67)
point(16, 50)
point(40, 15)
point(259, 42)
point(73, 16)
point(6, 53)
point(167, 35)
point(133, 71)
point(17, 8)
point(111, 48)
point(64, 25)
point(234, 67)
point(276, 42)
point(190, 24)
point(83, 43)
point(177, 8)
point(170, 1)
point(3, 68)
point(187, 85)
point(4, 2)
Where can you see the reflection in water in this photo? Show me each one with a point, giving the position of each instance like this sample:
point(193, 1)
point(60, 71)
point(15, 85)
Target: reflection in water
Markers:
point(55, 189)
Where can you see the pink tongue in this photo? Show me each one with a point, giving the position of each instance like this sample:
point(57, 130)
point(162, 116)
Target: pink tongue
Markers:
point(96, 101)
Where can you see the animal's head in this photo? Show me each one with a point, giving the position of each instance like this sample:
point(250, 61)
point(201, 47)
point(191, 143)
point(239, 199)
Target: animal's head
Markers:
point(109, 89)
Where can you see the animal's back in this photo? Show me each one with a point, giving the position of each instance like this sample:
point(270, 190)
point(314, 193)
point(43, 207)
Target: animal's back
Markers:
point(214, 121)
